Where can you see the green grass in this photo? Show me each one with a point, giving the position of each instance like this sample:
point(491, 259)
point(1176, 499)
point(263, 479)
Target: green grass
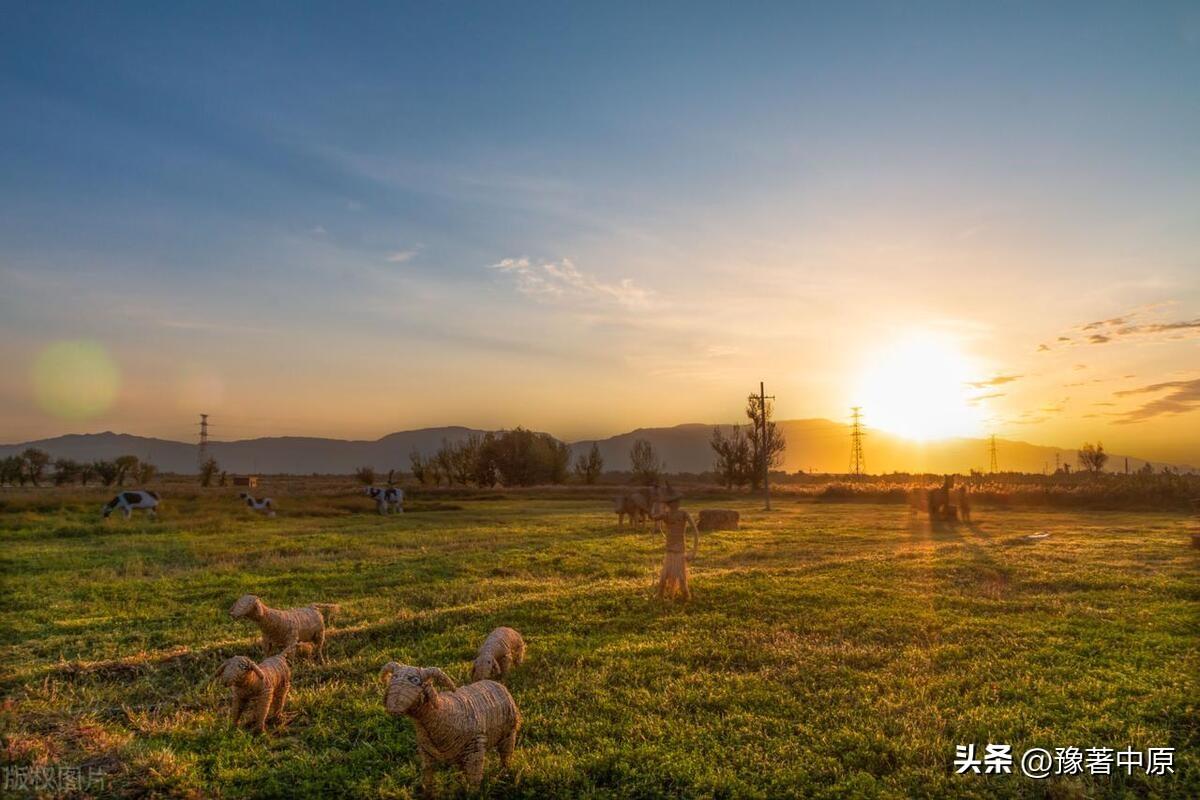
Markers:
point(831, 650)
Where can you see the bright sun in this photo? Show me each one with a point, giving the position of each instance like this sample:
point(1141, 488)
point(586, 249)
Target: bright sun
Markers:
point(919, 388)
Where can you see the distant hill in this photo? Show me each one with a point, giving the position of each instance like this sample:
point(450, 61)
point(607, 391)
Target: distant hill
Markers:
point(297, 455)
point(820, 445)
point(813, 445)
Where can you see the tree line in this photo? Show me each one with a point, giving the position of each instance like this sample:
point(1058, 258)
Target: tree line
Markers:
point(33, 466)
point(518, 457)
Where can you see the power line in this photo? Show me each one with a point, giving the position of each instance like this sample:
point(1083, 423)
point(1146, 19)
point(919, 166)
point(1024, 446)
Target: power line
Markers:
point(992, 452)
point(857, 462)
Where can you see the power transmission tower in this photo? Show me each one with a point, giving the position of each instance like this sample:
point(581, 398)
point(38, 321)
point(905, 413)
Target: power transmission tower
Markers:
point(857, 462)
point(766, 450)
point(992, 452)
point(202, 453)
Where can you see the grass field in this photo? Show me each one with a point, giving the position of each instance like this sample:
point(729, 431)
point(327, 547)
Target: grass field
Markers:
point(832, 649)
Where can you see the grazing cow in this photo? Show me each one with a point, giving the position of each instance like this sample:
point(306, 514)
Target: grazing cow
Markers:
point(128, 502)
point(265, 506)
point(386, 498)
point(635, 505)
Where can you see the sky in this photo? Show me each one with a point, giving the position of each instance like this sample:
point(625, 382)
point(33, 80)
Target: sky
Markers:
point(348, 220)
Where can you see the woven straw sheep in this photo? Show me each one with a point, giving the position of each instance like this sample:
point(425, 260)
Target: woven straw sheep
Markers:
point(260, 689)
point(455, 727)
point(635, 505)
point(283, 629)
point(502, 650)
point(718, 519)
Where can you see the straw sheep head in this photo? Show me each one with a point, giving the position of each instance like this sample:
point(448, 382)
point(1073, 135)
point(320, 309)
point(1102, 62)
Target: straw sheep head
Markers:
point(484, 667)
point(248, 605)
point(234, 670)
point(411, 687)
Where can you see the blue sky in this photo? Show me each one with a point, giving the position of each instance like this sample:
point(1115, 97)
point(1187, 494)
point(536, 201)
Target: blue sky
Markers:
point(585, 218)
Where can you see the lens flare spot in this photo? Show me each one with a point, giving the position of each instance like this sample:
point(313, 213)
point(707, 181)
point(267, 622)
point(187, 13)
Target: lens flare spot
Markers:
point(75, 380)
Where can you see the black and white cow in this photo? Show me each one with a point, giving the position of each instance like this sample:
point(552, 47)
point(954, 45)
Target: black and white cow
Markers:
point(386, 498)
point(128, 502)
point(265, 506)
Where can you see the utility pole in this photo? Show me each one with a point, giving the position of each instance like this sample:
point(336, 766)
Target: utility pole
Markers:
point(992, 453)
point(766, 451)
point(202, 454)
point(1126, 465)
point(857, 462)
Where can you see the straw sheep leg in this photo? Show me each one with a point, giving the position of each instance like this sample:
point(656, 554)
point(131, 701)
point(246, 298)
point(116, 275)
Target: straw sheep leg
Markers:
point(318, 646)
point(472, 762)
point(260, 709)
point(235, 712)
point(279, 698)
point(505, 748)
point(427, 774)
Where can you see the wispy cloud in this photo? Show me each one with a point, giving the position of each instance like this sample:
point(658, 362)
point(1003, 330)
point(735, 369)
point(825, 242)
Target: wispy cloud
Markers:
point(1181, 397)
point(999, 380)
point(563, 280)
point(401, 256)
point(1137, 324)
point(974, 401)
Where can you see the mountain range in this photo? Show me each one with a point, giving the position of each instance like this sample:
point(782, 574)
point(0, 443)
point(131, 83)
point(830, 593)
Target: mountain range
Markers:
point(813, 445)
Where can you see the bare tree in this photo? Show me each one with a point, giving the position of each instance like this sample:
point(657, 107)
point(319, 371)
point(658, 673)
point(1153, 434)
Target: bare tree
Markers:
point(365, 475)
point(734, 461)
point(65, 471)
point(766, 441)
point(106, 471)
point(1092, 457)
point(420, 469)
point(11, 470)
point(126, 466)
point(645, 464)
point(35, 462)
point(208, 471)
point(146, 472)
point(589, 467)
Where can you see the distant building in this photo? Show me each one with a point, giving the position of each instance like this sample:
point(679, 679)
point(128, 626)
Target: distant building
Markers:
point(250, 481)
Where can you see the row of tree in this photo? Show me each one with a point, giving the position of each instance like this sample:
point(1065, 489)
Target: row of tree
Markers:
point(32, 466)
point(523, 458)
point(513, 458)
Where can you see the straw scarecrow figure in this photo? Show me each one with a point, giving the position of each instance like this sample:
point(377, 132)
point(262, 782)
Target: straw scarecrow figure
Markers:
point(676, 522)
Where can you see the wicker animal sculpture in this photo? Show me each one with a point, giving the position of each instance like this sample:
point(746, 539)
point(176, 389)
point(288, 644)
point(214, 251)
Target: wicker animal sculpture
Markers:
point(718, 519)
point(282, 629)
point(455, 727)
point(259, 690)
point(635, 505)
point(502, 650)
point(964, 503)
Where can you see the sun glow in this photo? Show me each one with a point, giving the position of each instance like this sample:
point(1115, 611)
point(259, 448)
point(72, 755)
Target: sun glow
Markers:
point(920, 388)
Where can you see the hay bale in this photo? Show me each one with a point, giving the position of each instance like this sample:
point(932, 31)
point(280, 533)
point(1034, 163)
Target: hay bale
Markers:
point(718, 519)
